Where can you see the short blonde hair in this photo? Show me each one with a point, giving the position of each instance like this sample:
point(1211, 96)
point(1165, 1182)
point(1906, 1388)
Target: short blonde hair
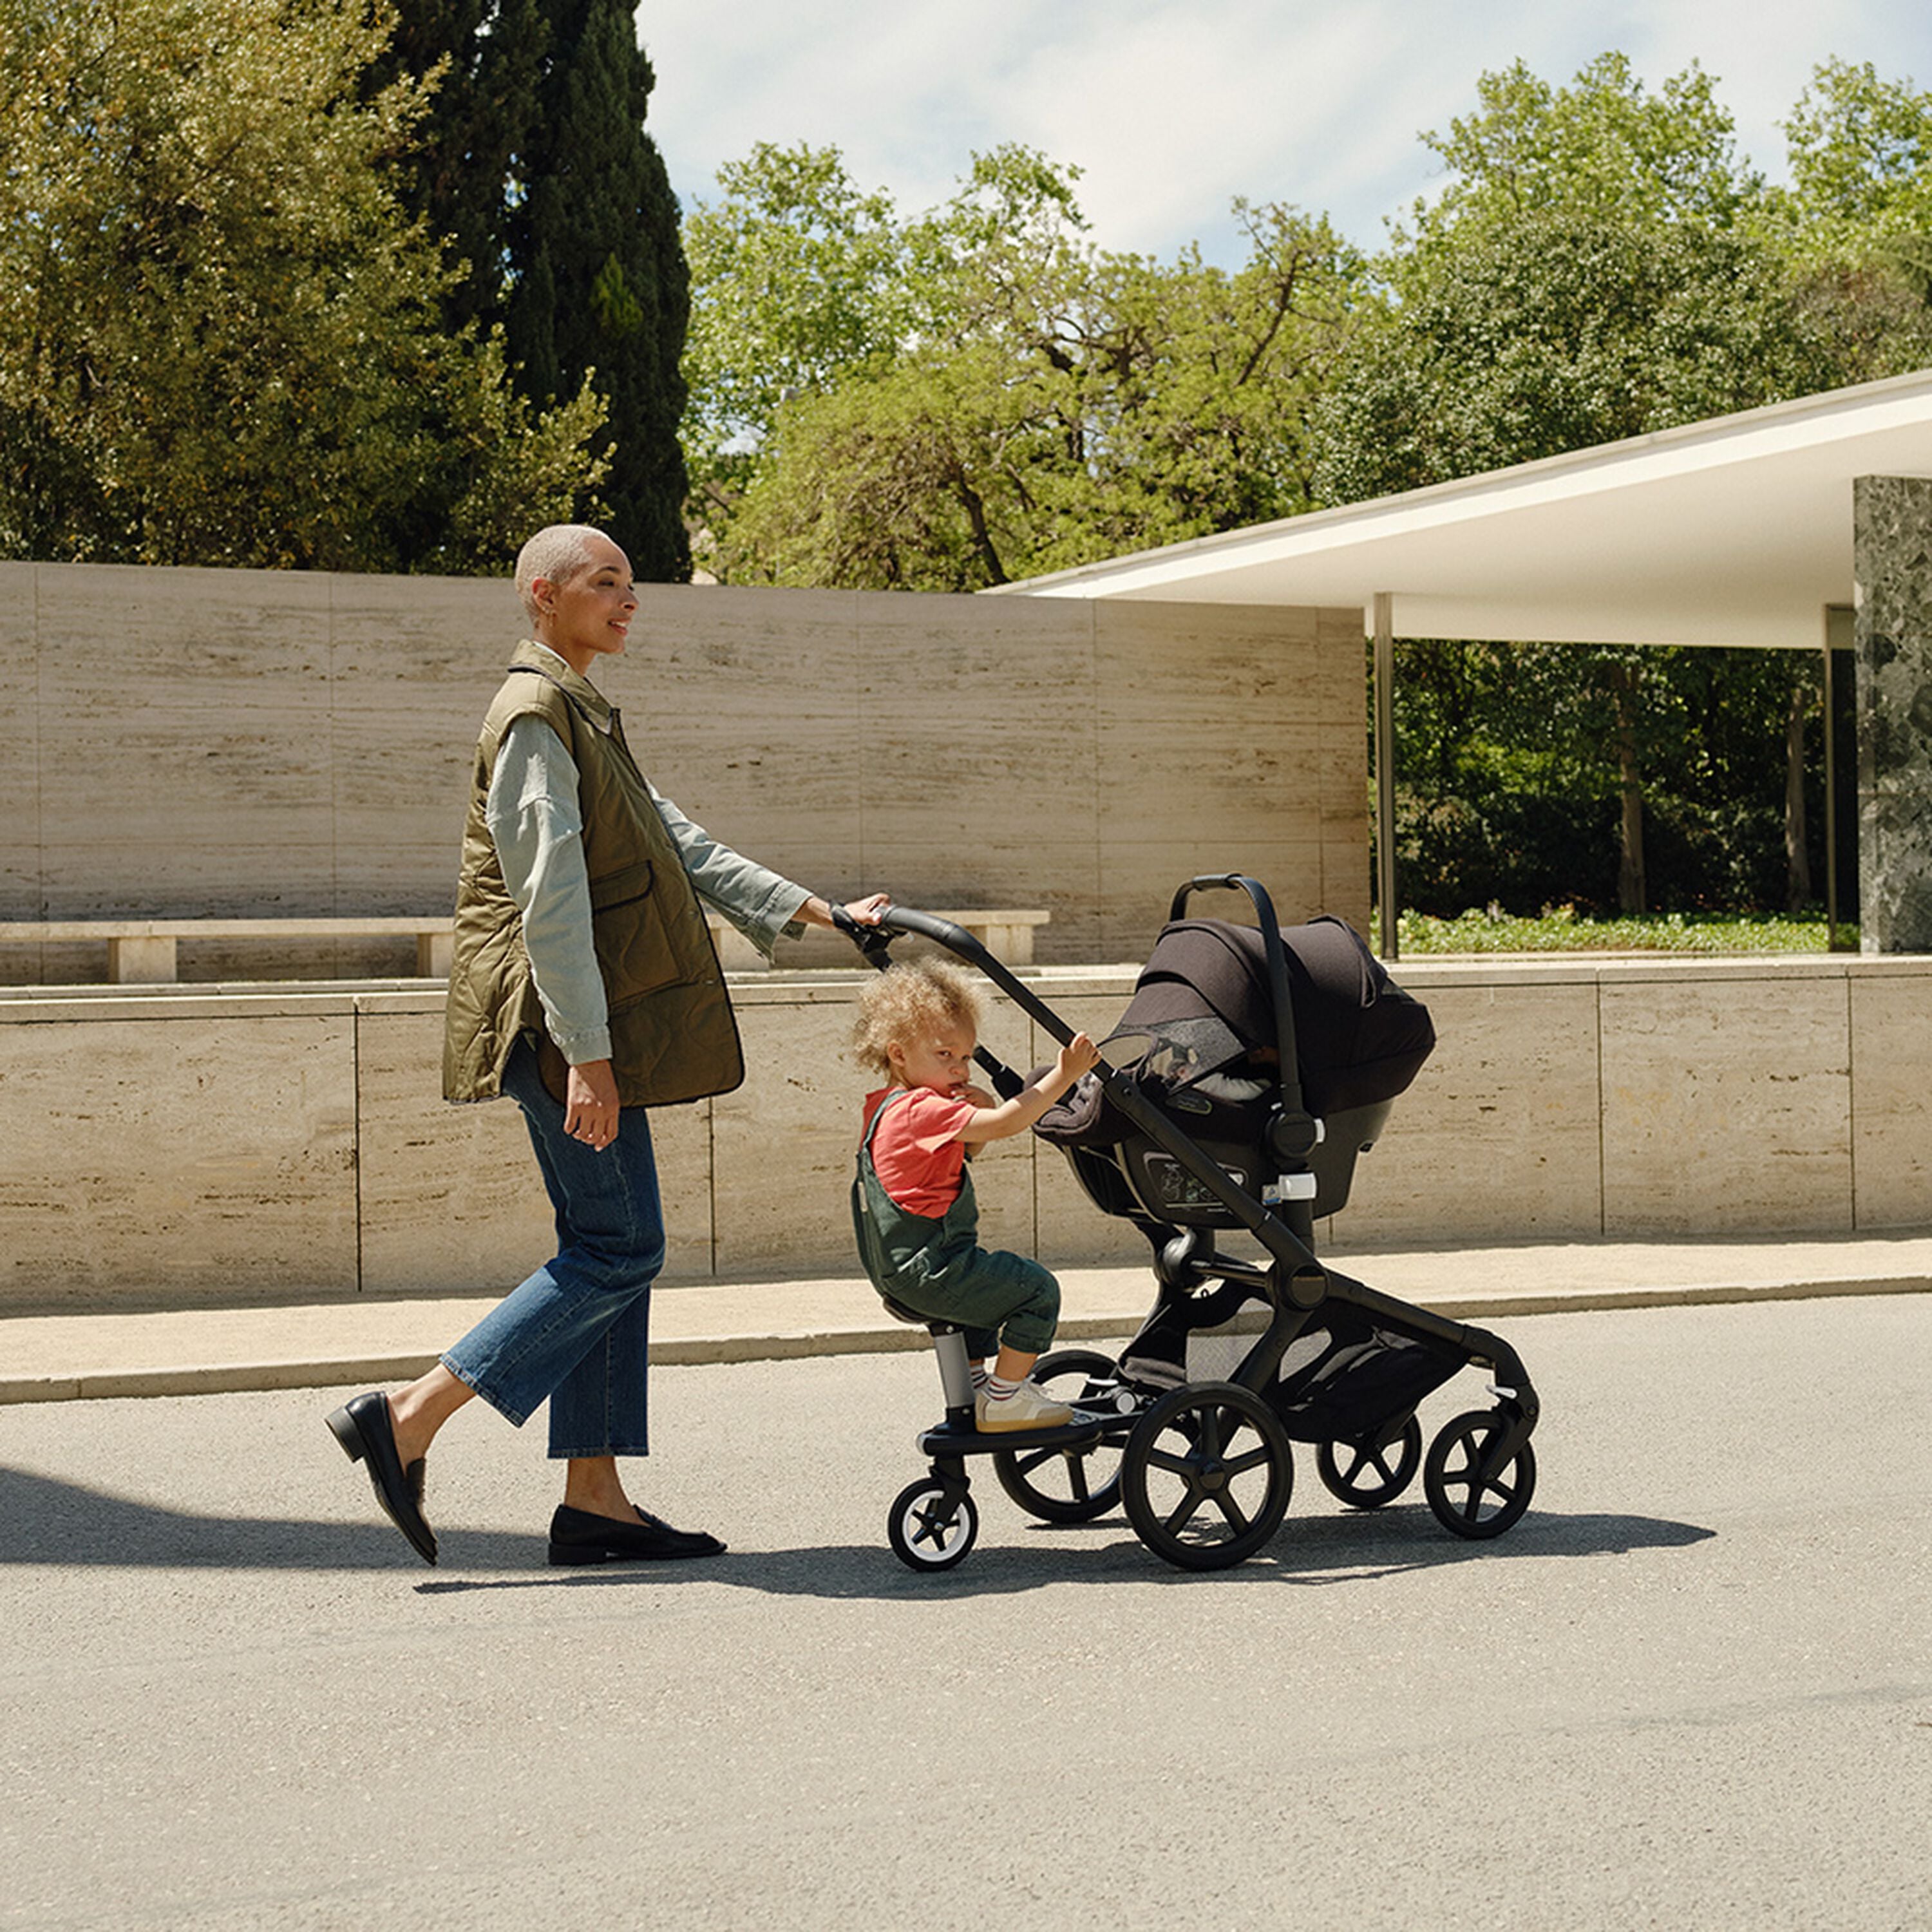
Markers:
point(903, 1002)
point(556, 553)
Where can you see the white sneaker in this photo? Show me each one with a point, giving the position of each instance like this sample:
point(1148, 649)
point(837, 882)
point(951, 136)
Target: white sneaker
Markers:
point(1028, 1407)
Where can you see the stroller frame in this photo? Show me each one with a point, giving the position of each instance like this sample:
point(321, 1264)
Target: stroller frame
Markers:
point(1207, 1437)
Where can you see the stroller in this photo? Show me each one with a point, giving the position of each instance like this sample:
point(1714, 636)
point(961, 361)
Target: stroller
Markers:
point(1251, 1068)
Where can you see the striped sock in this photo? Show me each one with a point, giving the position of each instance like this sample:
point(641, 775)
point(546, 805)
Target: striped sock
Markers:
point(998, 1390)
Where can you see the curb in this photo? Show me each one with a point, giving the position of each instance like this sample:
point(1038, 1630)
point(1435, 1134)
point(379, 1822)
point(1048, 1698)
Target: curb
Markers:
point(378, 1370)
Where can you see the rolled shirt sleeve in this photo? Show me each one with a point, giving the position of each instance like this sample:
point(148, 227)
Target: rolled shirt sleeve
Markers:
point(761, 904)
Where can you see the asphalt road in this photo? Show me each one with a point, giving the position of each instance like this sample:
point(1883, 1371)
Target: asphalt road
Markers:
point(1692, 1689)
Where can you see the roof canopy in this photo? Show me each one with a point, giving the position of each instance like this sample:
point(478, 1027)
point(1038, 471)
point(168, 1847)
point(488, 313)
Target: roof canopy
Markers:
point(1736, 531)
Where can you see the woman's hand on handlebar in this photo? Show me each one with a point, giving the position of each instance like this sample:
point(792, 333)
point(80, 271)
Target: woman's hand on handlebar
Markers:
point(816, 911)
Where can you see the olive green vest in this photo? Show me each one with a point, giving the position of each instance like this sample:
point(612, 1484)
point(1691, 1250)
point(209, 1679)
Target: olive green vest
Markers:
point(673, 1036)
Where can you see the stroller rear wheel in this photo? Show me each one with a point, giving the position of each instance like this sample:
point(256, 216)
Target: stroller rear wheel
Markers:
point(931, 1528)
point(1364, 1477)
point(1464, 1499)
point(1206, 1475)
point(1069, 1485)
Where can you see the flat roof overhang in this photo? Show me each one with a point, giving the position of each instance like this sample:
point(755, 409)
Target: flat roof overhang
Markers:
point(1736, 531)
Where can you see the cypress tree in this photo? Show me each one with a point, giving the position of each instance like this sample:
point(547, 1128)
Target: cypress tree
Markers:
point(598, 276)
point(457, 176)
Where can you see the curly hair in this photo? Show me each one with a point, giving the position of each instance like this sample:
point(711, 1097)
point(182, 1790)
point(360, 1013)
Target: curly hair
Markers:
point(904, 1001)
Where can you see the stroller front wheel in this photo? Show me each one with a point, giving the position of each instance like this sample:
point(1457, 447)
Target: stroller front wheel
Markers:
point(1206, 1475)
point(930, 1527)
point(1464, 1498)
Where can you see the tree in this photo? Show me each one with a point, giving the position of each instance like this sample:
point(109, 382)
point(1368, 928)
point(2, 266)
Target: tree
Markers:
point(980, 394)
point(480, 62)
point(1855, 226)
point(220, 338)
point(1597, 268)
point(599, 290)
point(798, 279)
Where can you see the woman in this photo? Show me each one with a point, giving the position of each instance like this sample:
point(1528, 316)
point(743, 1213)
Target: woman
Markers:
point(585, 986)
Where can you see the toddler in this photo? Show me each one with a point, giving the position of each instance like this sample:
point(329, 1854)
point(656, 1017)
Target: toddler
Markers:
point(912, 1204)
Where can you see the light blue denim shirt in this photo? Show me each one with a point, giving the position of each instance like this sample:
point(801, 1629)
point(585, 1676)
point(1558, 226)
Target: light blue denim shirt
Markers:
point(538, 827)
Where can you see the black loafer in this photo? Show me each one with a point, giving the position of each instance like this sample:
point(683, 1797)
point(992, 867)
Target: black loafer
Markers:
point(367, 1434)
point(576, 1536)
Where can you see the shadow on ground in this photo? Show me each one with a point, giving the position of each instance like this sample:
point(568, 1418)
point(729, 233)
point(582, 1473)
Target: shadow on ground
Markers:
point(71, 1525)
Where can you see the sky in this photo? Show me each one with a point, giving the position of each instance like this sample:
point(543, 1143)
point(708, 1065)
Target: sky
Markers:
point(1172, 108)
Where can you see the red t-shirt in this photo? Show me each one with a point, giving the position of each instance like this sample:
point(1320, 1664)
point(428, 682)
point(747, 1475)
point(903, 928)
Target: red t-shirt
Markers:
point(917, 1153)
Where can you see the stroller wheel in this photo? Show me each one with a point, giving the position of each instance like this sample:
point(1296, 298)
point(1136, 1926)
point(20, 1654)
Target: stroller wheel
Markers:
point(1464, 1500)
point(1365, 1477)
point(1069, 1485)
point(928, 1532)
point(1206, 1475)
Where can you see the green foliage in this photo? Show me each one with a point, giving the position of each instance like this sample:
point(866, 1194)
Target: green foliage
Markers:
point(1559, 929)
point(599, 290)
point(980, 394)
point(481, 60)
point(1559, 331)
point(1604, 148)
point(220, 340)
point(1600, 266)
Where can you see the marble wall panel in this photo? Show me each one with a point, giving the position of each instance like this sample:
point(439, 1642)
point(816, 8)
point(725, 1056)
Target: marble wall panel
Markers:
point(204, 695)
point(742, 705)
point(300, 742)
point(178, 1160)
point(413, 664)
point(20, 862)
point(1891, 1114)
point(1498, 1138)
point(979, 722)
point(1138, 882)
point(452, 1200)
point(246, 875)
point(1727, 1104)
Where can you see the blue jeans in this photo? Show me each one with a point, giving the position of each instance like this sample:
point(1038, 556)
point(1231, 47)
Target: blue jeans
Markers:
point(578, 1330)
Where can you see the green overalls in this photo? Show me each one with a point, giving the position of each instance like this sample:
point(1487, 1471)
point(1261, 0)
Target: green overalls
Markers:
point(937, 1269)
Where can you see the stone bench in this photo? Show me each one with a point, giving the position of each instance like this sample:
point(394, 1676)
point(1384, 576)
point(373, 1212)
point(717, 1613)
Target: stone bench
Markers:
point(1006, 933)
point(143, 951)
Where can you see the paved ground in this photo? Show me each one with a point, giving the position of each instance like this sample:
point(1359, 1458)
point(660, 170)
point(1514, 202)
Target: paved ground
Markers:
point(1692, 1689)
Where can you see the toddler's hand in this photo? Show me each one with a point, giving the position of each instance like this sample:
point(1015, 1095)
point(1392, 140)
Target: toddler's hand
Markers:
point(1078, 1056)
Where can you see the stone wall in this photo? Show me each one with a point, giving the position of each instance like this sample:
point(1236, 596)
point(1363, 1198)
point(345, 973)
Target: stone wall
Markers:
point(176, 743)
point(166, 1148)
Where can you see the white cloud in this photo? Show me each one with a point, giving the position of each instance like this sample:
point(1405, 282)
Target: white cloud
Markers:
point(1173, 107)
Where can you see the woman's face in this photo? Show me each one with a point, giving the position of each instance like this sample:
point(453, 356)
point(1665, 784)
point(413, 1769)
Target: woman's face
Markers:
point(588, 616)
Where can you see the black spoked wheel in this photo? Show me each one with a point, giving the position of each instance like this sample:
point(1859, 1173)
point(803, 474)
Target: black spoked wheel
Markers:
point(1464, 1499)
point(1364, 1477)
point(1070, 1485)
point(928, 1532)
point(1206, 1476)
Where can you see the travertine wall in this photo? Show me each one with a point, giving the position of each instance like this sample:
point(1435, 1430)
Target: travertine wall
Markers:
point(177, 742)
point(166, 1148)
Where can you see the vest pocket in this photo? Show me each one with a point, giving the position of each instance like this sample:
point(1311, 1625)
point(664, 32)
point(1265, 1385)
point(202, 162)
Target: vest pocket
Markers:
point(635, 950)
